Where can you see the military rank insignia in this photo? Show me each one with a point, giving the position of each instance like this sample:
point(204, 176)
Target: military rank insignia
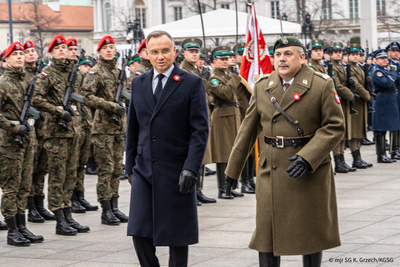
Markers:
point(214, 82)
point(337, 98)
point(379, 74)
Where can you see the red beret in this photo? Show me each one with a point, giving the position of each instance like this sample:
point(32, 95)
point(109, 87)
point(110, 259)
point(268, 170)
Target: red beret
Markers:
point(72, 42)
point(105, 41)
point(28, 44)
point(59, 39)
point(142, 45)
point(13, 47)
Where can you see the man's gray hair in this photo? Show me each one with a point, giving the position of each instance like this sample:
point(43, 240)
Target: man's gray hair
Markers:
point(299, 50)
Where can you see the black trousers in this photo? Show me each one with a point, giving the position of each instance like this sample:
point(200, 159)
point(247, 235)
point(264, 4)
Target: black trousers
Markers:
point(146, 253)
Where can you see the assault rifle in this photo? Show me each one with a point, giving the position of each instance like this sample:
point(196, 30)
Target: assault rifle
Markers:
point(368, 83)
point(27, 109)
point(69, 92)
point(350, 83)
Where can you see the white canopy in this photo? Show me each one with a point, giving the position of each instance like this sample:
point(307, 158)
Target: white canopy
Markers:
point(222, 23)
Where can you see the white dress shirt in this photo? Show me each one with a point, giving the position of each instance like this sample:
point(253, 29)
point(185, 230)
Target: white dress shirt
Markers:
point(164, 80)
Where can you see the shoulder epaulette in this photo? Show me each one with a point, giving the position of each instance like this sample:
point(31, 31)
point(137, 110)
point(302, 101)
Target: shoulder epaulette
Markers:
point(323, 75)
point(262, 77)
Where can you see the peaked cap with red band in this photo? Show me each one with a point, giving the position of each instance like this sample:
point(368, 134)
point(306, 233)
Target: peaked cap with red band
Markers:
point(14, 47)
point(59, 39)
point(72, 42)
point(29, 44)
point(142, 45)
point(105, 41)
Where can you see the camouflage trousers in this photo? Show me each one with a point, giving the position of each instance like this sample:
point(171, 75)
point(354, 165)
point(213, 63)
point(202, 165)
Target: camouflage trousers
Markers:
point(84, 150)
point(16, 165)
point(40, 169)
point(108, 154)
point(62, 156)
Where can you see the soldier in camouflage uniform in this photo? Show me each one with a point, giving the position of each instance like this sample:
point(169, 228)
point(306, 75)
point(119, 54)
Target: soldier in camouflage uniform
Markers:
point(61, 132)
point(108, 135)
point(36, 211)
point(317, 53)
point(16, 161)
point(145, 64)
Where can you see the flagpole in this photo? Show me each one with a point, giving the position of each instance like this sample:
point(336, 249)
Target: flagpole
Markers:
point(204, 35)
point(237, 33)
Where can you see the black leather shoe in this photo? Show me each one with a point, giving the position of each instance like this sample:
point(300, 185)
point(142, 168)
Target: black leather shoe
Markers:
point(339, 168)
point(62, 226)
point(3, 226)
point(222, 195)
point(76, 205)
point(47, 215)
point(81, 198)
point(33, 215)
point(236, 194)
point(14, 237)
point(114, 208)
point(366, 142)
point(203, 199)
point(199, 203)
point(107, 217)
point(73, 223)
point(21, 226)
point(209, 172)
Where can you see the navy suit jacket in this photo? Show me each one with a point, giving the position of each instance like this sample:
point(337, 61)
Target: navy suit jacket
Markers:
point(163, 139)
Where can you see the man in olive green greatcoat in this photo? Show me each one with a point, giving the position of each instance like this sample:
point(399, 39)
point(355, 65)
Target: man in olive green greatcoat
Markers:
point(295, 192)
point(317, 52)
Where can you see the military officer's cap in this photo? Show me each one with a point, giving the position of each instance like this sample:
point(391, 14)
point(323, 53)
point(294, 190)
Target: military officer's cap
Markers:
point(116, 56)
point(287, 41)
point(72, 42)
point(395, 46)
point(231, 53)
point(326, 50)
point(354, 49)
point(344, 51)
point(201, 53)
point(134, 58)
point(380, 53)
point(191, 44)
point(271, 50)
point(362, 52)
point(221, 52)
point(14, 47)
point(87, 60)
point(337, 46)
point(317, 44)
point(58, 40)
point(105, 41)
point(239, 48)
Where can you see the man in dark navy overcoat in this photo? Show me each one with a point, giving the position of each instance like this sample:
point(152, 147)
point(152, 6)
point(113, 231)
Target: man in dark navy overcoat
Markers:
point(166, 140)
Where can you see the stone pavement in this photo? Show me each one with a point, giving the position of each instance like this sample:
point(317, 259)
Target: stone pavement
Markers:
point(369, 221)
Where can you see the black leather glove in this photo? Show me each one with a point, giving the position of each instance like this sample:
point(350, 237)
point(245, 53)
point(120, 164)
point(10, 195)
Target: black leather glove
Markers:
point(23, 130)
point(67, 116)
point(206, 74)
point(368, 79)
point(130, 177)
point(231, 184)
point(187, 181)
point(120, 111)
point(350, 81)
point(299, 167)
point(42, 116)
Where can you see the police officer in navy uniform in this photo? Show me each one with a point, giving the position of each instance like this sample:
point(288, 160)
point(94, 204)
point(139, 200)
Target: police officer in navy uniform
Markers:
point(393, 51)
point(386, 116)
point(327, 57)
point(345, 58)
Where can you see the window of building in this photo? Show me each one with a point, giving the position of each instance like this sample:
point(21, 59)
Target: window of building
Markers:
point(226, 6)
point(327, 9)
point(353, 4)
point(140, 13)
point(21, 38)
point(178, 13)
point(380, 7)
point(107, 9)
point(301, 9)
point(275, 9)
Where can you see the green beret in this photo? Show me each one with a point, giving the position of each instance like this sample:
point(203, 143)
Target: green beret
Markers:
point(191, 44)
point(287, 41)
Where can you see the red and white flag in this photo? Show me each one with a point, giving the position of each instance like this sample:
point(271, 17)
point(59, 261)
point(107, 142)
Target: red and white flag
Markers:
point(256, 61)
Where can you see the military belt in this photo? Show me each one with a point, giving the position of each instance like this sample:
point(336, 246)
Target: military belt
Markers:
point(232, 104)
point(31, 122)
point(386, 92)
point(72, 106)
point(282, 142)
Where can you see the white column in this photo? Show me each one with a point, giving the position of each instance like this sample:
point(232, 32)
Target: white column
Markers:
point(95, 15)
point(99, 16)
point(368, 24)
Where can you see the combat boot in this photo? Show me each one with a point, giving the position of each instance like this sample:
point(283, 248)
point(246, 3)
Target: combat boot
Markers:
point(76, 206)
point(47, 215)
point(91, 167)
point(380, 144)
point(73, 223)
point(339, 168)
point(21, 226)
point(3, 226)
point(81, 198)
point(33, 215)
point(107, 217)
point(221, 181)
point(312, 260)
point(395, 154)
point(268, 259)
point(357, 162)
point(351, 169)
point(14, 237)
point(62, 227)
point(119, 214)
point(201, 198)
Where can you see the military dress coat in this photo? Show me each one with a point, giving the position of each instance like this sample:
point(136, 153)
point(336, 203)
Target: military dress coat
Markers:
point(163, 139)
point(339, 73)
point(315, 65)
point(397, 64)
point(225, 121)
point(294, 216)
point(186, 66)
point(386, 116)
point(359, 121)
